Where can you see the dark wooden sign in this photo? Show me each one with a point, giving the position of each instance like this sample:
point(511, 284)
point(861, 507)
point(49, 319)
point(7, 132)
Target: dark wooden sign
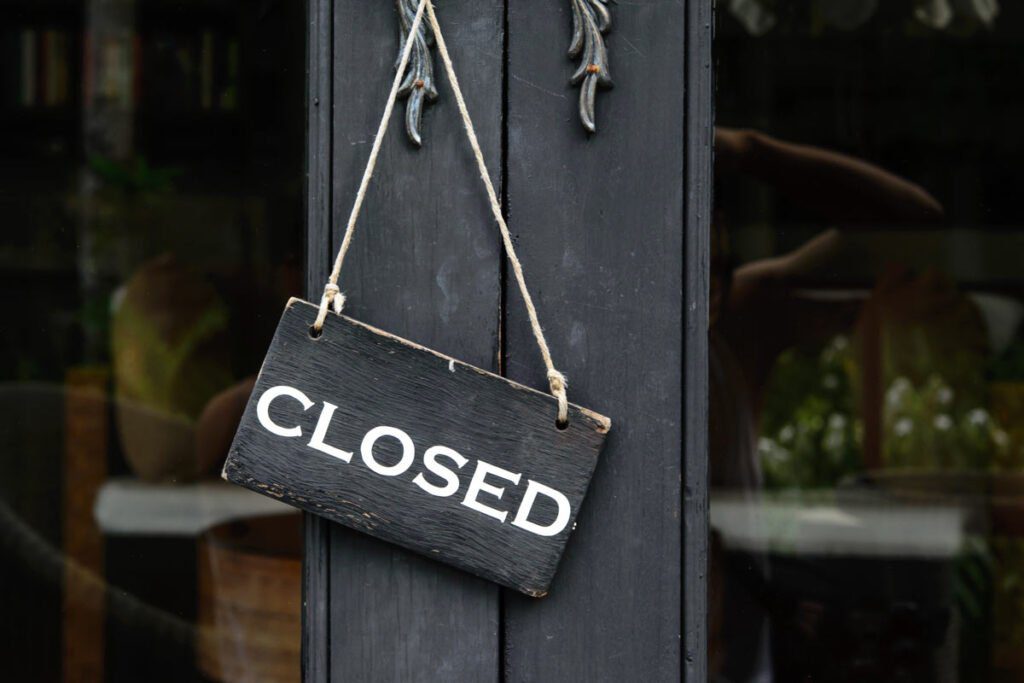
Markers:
point(418, 449)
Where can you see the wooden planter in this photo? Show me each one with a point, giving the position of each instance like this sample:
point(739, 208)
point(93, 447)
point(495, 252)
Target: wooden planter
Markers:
point(250, 591)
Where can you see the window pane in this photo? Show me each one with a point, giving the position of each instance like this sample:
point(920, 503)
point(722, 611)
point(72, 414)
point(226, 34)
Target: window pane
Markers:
point(867, 354)
point(151, 160)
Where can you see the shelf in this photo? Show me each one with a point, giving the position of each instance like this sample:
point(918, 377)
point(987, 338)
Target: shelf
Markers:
point(128, 507)
point(820, 528)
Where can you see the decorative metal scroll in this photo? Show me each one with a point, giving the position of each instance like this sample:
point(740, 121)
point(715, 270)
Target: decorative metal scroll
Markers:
point(590, 21)
point(418, 87)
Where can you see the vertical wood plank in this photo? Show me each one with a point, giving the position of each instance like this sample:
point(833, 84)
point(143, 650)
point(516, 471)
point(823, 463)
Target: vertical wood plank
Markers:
point(699, 146)
point(425, 264)
point(599, 224)
point(319, 88)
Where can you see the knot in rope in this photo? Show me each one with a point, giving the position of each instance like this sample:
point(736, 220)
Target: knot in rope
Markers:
point(559, 384)
point(332, 294)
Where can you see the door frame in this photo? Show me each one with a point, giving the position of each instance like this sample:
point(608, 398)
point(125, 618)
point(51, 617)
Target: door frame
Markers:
point(699, 181)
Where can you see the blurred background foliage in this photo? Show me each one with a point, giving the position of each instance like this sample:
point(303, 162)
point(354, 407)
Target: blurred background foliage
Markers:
point(812, 434)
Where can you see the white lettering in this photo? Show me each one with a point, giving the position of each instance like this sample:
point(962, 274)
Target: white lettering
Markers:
point(263, 409)
point(477, 484)
point(320, 433)
point(530, 497)
point(450, 478)
point(408, 451)
point(483, 481)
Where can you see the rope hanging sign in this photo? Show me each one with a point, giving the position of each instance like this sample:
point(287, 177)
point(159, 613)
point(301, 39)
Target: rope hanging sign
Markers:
point(403, 443)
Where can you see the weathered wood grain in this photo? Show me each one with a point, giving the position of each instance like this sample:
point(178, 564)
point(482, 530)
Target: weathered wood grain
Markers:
point(377, 379)
point(316, 532)
point(600, 229)
point(425, 265)
point(699, 146)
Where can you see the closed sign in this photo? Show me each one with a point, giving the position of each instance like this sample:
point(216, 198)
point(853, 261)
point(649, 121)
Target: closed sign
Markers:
point(418, 449)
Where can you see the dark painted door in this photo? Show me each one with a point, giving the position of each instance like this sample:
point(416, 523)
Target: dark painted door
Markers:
point(611, 229)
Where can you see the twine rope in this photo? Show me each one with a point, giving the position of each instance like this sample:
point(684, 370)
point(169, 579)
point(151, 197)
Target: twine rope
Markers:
point(332, 294)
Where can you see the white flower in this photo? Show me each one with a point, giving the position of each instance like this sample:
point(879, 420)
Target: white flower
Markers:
point(945, 396)
point(786, 434)
point(834, 348)
point(837, 421)
point(978, 417)
point(897, 392)
point(903, 427)
point(830, 381)
point(943, 422)
point(772, 452)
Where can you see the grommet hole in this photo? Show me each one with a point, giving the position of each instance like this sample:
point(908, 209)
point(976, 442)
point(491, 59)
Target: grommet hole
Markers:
point(315, 333)
point(561, 425)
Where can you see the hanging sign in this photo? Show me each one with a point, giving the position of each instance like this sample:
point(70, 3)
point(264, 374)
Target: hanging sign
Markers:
point(405, 444)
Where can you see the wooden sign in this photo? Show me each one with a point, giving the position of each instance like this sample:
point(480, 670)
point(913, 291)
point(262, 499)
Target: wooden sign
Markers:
point(418, 449)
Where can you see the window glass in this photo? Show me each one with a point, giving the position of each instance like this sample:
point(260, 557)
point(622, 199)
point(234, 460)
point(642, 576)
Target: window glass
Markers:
point(867, 353)
point(151, 156)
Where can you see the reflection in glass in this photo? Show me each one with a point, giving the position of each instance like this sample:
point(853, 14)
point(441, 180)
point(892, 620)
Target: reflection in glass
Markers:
point(151, 200)
point(866, 348)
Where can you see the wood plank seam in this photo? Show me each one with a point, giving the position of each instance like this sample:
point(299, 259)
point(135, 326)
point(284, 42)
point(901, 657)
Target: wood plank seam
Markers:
point(416, 619)
point(315, 662)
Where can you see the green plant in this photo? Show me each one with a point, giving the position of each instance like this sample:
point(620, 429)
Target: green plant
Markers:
point(810, 436)
point(927, 428)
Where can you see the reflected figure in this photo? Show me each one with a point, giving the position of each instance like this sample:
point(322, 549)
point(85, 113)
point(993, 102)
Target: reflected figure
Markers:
point(757, 312)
